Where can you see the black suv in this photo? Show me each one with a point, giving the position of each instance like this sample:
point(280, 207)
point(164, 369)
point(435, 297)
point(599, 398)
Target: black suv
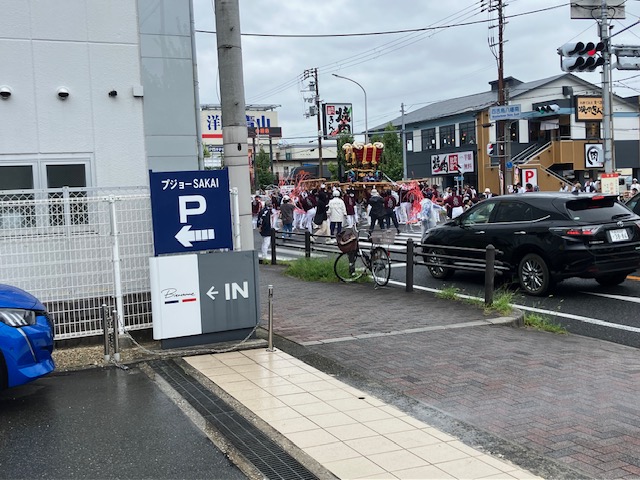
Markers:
point(544, 238)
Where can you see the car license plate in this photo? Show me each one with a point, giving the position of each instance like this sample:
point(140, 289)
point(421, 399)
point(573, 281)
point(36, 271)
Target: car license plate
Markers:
point(619, 235)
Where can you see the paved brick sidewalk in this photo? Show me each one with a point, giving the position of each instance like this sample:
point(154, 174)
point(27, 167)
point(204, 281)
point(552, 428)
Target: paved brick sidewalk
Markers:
point(570, 399)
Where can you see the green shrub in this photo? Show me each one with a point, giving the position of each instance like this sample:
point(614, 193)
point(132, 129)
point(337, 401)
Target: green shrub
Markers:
point(540, 322)
point(312, 270)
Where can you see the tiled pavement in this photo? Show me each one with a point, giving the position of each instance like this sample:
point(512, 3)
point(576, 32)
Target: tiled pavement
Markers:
point(564, 399)
point(350, 433)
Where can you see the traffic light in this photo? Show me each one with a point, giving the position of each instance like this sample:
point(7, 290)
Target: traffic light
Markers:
point(548, 108)
point(581, 57)
point(491, 149)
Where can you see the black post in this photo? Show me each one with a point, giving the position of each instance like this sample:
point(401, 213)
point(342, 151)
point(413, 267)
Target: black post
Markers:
point(307, 244)
point(273, 246)
point(105, 333)
point(489, 274)
point(409, 267)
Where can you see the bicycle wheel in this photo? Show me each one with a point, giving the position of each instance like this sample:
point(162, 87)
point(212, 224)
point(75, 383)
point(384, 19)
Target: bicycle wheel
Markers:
point(349, 267)
point(380, 266)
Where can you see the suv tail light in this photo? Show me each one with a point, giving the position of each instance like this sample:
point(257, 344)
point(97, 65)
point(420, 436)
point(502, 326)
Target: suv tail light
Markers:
point(576, 232)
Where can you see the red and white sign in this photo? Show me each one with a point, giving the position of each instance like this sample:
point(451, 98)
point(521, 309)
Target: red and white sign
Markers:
point(461, 162)
point(529, 175)
point(609, 184)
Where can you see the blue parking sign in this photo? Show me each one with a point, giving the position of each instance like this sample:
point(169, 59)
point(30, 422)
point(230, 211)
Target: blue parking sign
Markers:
point(191, 211)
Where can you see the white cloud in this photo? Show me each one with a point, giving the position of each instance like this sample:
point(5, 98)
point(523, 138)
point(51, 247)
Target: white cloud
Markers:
point(413, 69)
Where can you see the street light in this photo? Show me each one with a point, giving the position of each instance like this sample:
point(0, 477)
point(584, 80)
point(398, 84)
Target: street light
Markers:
point(366, 126)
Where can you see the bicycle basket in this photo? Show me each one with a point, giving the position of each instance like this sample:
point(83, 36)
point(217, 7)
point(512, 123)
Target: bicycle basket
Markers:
point(386, 237)
point(347, 241)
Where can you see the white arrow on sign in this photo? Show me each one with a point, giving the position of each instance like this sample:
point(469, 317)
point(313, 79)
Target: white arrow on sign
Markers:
point(185, 236)
point(212, 293)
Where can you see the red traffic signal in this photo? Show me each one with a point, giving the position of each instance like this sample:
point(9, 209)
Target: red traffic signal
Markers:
point(581, 56)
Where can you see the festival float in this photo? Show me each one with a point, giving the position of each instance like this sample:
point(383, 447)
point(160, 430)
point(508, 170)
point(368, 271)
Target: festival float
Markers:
point(361, 164)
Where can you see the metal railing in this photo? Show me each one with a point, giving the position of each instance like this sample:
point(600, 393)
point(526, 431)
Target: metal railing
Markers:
point(458, 258)
point(485, 260)
point(77, 249)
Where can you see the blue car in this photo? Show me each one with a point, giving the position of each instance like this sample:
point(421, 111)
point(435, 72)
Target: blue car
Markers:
point(26, 338)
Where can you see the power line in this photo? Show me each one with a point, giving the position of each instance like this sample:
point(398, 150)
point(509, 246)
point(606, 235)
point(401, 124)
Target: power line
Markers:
point(368, 34)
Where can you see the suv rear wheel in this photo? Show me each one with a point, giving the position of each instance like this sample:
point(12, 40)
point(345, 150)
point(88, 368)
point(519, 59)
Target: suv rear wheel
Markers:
point(533, 275)
point(437, 270)
point(612, 279)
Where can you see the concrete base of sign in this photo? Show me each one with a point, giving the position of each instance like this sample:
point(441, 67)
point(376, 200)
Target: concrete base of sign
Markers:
point(205, 339)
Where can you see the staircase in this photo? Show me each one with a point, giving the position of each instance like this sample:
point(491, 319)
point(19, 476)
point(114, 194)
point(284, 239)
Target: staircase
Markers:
point(535, 150)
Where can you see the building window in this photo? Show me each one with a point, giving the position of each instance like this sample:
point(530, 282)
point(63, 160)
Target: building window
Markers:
point(74, 176)
point(14, 212)
point(467, 133)
point(592, 130)
point(447, 136)
point(21, 191)
point(428, 139)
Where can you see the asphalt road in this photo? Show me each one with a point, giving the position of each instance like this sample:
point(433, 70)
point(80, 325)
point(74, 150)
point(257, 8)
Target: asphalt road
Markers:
point(102, 423)
point(582, 306)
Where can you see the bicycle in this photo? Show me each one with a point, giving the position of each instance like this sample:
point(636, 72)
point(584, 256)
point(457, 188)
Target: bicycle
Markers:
point(354, 262)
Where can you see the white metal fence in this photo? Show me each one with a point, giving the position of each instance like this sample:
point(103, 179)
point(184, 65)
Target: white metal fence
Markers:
point(77, 248)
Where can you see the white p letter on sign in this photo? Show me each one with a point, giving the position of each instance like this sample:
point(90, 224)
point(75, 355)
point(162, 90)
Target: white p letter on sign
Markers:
point(183, 201)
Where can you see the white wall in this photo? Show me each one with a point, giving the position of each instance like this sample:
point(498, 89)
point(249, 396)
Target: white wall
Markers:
point(89, 47)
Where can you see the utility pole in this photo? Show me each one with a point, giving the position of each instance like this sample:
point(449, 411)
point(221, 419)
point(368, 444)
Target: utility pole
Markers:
point(501, 99)
point(234, 122)
point(609, 165)
point(314, 73)
point(320, 167)
point(501, 135)
point(403, 136)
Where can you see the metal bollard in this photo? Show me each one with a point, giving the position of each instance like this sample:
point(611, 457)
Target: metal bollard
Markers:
point(489, 274)
point(105, 332)
point(273, 247)
point(409, 268)
point(270, 327)
point(116, 347)
point(307, 244)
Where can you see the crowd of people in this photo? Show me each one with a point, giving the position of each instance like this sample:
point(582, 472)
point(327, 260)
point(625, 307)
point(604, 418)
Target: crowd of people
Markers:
point(324, 212)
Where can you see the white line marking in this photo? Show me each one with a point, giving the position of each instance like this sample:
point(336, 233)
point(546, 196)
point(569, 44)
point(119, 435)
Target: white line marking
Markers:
point(363, 336)
point(552, 313)
point(615, 297)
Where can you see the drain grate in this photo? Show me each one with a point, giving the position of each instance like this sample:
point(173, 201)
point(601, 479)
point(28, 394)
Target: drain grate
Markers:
point(267, 456)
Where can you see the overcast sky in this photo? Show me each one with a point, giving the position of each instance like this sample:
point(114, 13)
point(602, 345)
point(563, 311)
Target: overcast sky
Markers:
point(411, 68)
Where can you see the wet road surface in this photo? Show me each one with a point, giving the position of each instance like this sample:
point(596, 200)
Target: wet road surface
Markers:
point(102, 423)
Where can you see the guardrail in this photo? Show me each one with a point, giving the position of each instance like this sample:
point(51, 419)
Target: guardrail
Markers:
point(483, 261)
point(476, 259)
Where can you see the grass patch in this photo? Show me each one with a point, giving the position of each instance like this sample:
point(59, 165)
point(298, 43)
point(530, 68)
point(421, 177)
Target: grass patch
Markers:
point(448, 293)
point(540, 322)
point(312, 270)
point(502, 302)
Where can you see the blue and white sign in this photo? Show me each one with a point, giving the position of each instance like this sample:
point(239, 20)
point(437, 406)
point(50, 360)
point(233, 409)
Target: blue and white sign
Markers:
point(191, 211)
point(504, 112)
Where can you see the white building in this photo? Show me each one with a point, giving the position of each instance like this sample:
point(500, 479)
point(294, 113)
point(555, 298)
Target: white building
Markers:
point(96, 92)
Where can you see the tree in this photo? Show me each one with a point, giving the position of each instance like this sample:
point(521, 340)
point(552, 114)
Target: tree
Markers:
point(342, 162)
point(391, 161)
point(333, 170)
point(263, 169)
